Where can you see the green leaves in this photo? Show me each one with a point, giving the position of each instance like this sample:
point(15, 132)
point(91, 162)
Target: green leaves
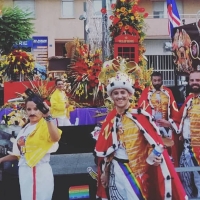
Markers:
point(15, 26)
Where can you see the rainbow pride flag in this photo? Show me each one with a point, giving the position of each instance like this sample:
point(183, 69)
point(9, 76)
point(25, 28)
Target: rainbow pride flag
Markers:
point(79, 192)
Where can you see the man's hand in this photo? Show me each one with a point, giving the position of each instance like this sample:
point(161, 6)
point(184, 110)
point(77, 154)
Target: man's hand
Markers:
point(104, 180)
point(163, 123)
point(158, 160)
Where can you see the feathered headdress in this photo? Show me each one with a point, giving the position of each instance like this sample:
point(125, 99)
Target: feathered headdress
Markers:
point(118, 73)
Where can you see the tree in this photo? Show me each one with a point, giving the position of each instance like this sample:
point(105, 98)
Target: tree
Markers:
point(15, 26)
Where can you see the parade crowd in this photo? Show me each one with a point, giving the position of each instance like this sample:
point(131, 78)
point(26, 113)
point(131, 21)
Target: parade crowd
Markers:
point(137, 148)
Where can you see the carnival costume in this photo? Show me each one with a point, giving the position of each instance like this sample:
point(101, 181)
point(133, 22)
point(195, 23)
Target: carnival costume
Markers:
point(33, 147)
point(161, 105)
point(124, 143)
point(58, 102)
point(190, 156)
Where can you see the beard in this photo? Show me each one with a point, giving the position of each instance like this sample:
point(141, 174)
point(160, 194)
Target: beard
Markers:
point(157, 86)
point(195, 90)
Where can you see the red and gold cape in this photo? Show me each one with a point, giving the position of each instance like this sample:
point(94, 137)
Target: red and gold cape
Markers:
point(172, 115)
point(165, 184)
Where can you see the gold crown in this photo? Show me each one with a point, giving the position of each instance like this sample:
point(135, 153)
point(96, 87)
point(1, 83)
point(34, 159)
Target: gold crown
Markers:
point(118, 73)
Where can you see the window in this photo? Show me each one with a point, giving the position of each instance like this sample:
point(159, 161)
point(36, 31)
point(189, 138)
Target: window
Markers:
point(26, 5)
point(163, 64)
point(127, 52)
point(97, 7)
point(180, 7)
point(67, 8)
point(60, 49)
point(98, 4)
point(160, 9)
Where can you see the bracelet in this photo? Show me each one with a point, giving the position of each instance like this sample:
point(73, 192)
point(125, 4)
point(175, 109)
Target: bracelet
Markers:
point(48, 118)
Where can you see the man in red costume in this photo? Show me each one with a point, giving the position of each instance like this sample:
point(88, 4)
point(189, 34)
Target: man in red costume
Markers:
point(129, 143)
point(189, 127)
point(159, 102)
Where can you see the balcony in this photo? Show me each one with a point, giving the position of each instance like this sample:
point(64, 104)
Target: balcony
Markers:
point(157, 28)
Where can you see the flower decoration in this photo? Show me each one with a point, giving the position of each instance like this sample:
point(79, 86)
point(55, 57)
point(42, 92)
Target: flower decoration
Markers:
point(126, 17)
point(42, 88)
point(17, 62)
point(103, 10)
point(83, 73)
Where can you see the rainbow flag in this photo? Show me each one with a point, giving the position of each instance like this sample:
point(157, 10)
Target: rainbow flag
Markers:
point(79, 192)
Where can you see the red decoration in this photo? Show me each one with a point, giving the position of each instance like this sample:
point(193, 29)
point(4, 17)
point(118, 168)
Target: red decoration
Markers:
point(17, 62)
point(127, 46)
point(141, 9)
point(146, 15)
point(135, 8)
point(127, 27)
point(10, 88)
point(103, 10)
point(111, 17)
point(116, 20)
point(113, 5)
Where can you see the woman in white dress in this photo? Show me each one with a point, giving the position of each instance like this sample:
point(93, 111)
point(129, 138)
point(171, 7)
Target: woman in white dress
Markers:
point(32, 147)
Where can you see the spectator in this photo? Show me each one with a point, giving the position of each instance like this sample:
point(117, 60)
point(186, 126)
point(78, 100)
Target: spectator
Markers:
point(59, 104)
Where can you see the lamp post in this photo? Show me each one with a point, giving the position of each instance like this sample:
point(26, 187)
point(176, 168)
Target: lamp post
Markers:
point(104, 29)
point(106, 48)
point(84, 9)
point(84, 17)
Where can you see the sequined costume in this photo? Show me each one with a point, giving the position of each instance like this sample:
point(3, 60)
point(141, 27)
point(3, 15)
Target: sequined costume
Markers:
point(190, 157)
point(128, 139)
point(161, 105)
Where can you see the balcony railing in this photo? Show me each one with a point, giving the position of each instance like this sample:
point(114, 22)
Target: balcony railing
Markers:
point(182, 16)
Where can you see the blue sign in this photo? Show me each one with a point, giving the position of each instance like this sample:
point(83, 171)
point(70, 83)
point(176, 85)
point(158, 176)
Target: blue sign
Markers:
point(40, 41)
point(33, 43)
point(24, 43)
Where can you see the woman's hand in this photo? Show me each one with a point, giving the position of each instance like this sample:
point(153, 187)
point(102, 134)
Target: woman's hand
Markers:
point(158, 160)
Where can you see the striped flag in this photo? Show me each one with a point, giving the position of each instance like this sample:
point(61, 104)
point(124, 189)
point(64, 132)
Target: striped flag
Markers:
point(173, 16)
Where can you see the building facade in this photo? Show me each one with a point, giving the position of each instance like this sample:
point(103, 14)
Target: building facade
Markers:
point(63, 20)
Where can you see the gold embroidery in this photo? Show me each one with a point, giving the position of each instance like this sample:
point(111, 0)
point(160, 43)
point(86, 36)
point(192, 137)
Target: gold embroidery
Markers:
point(194, 115)
point(174, 106)
point(136, 146)
point(160, 105)
point(106, 132)
point(144, 106)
